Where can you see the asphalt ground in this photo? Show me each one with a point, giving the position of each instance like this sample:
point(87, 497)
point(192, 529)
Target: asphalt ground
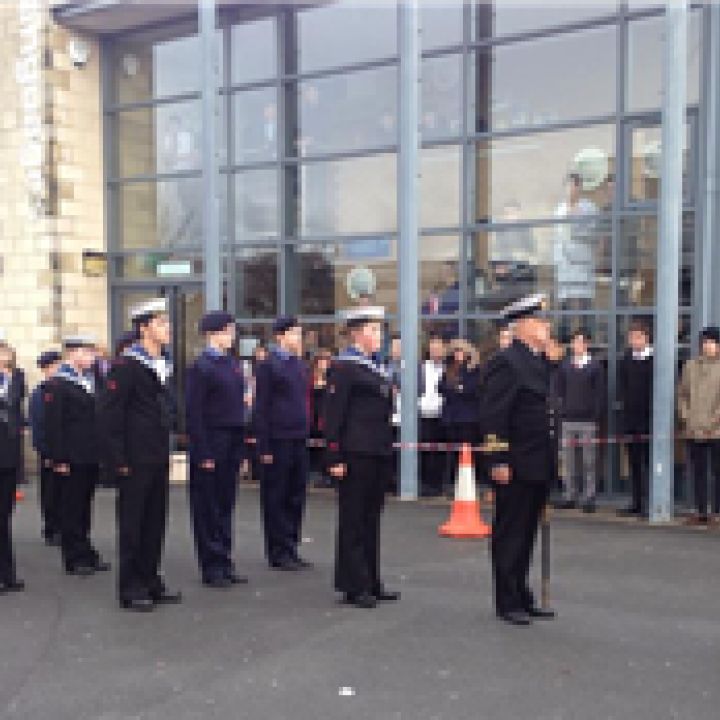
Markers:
point(637, 636)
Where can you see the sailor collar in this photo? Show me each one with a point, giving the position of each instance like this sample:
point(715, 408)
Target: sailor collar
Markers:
point(159, 365)
point(355, 356)
point(86, 382)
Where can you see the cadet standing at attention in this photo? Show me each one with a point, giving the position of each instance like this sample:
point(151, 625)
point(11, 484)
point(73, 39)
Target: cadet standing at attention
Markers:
point(73, 448)
point(360, 442)
point(215, 401)
point(282, 427)
point(516, 411)
point(137, 413)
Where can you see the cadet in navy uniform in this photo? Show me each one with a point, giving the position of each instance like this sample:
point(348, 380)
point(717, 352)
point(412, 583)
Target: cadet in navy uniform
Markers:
point(48, 363)
point(215, 400)
point(360, 436)
point(73, 448)
point(515, 410)
point(282, 426)
point(136, 411)
point(11, 393)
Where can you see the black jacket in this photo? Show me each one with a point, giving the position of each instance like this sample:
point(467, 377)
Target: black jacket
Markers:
point(358, 408)
point(581, 391)
point(461, 404)
point(11, 423)
point(635, 389)
point(516, 410)
point(136, 413)
point(70, 423)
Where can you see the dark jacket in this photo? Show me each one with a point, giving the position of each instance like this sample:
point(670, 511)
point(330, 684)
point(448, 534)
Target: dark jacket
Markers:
point(11, 423)
point(136, 415)
point(358, 410)
point(36, 411)
point(461, 398)
point(581, 391)
point(635, 389)
point(515, 410)
point(214, 398)
point(71, 429)
point(282, 400)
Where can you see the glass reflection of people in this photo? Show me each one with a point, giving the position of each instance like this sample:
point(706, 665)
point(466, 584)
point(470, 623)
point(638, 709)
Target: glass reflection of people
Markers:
point(517, 243)
point(320, 367)
point(574, 252)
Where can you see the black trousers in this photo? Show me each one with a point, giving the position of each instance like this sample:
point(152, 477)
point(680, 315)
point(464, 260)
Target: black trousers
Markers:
point(49, 500)
point(704, 454)
point(432, 462)
point(8, 485)
point(361, 496)
point(212, 495)
point(283, 486)
point(142, 510)
point(639, 460)
point(518, 508)
point(76, 498)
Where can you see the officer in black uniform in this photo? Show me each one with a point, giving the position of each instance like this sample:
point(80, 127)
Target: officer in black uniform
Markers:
point(360, 436)
point(215, 400)
point(11, 394)
point(515, 409)
point(137, 417)
point(73, 448)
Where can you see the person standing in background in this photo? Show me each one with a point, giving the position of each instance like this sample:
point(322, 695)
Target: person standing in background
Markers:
point(320, 367)
point(432, 462)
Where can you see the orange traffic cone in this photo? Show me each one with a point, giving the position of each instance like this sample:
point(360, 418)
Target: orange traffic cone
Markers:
point(465, 520)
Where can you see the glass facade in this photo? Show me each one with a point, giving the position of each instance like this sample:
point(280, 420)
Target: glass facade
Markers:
point(540, 129)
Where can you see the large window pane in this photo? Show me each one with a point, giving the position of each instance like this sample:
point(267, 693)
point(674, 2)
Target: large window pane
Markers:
point(500, 17)
point(546, 81)
point(163, 214)
point(440, 187)
point(256, 204)
point(346, 32)
point(441, 97)
point(570, 262)
point(441, 22)
point(256, 282)
point(637, 261)
point(254, 53)
point(560, 174)
point(645, 62)
point(348, 112)
point(349, 196)
point(255, 118)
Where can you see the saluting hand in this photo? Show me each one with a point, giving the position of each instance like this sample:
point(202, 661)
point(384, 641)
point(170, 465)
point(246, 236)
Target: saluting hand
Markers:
point(338, 471)
point(62, 469)
point(501, 474)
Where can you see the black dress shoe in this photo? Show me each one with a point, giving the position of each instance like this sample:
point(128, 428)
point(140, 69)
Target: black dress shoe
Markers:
point(52, 540)
point(218, 583)
point(81, 570)
point(12, 586)
point(629, 512)
point(236, 579)
point(384, 595)
point(589, 507)
point(102, 566)
point(518, 618)
point(566, 505)
point(166, 597)
point(137, 604)
point(363, 600)
point(538, 613)
point(303, 564)
point(285, 565)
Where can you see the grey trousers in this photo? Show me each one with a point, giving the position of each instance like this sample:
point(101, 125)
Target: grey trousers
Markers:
point(579, 437)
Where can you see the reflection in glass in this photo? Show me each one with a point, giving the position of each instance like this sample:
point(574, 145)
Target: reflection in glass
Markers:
point(441, 23)
point(163, 214)
point(441, 100)
point(440, 275)
point(254, 54)
point(540, 82)
point(527, 177)
point(255, 119)
point(256, 282)
point(256, 203)
point(440, 186)
point(645, 62)
point(349, 196)
point(348, 112)
point(346, 32)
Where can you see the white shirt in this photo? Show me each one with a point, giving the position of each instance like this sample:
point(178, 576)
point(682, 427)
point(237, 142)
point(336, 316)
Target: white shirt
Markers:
point(431, 401)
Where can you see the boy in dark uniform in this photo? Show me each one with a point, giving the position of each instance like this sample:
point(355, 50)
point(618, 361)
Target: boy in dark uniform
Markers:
point(48, 363)
point(282, 423)
point(215, 402)
point(515, 410)
point(136, 410)
point(11, 394)
point(73, 448)
point(360, 438)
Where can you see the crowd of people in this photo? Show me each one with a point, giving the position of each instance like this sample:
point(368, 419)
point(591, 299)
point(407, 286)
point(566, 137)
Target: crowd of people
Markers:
point(335, 416)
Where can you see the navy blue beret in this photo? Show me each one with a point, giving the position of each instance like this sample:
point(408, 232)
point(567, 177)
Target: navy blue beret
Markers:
point(215, 321)
point(284, 323)
point(47, 358)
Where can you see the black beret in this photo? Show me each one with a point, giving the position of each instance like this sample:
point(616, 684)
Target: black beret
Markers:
point(284, 323)
point(215, 321)
point(710, 333)
point(47, 358)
